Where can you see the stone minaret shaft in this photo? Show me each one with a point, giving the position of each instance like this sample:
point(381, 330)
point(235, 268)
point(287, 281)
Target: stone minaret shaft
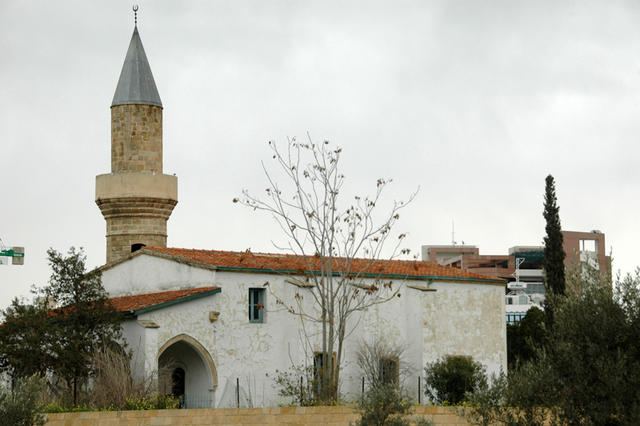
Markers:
point(136, 199)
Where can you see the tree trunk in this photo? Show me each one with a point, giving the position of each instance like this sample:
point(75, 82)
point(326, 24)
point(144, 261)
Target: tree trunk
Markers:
point(339, 354)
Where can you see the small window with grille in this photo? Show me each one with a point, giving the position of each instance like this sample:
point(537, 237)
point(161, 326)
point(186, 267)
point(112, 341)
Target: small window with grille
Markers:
point(389, 370)
point(256, 305)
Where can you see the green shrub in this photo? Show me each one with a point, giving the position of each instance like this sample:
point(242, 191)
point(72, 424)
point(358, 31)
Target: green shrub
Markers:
point(451, 377)
point(135, 403)
point(57, 407)
point(23, 405)
point(515, 400)
point(297, 392)
point(385, 404)
point(54, 407)
point(155, 402)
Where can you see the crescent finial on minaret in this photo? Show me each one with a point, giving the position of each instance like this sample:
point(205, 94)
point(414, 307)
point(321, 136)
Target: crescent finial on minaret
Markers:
point(135, 15)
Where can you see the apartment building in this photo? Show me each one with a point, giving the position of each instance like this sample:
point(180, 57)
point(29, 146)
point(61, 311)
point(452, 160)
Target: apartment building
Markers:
point(522, 266)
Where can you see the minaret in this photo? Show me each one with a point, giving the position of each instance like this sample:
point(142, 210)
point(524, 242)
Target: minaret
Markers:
point(136, 199)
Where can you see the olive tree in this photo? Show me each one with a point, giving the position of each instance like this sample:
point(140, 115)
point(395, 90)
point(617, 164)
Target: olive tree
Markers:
point(587, 371)
point(60, 333)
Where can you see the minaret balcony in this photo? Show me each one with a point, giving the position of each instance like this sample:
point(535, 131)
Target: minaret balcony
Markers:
point(136, 193)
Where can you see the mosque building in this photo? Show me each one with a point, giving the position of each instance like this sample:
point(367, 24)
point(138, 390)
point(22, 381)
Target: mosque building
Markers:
point(204, 322)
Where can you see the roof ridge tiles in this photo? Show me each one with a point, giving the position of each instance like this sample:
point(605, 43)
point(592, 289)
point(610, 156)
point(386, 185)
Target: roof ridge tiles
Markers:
point(144, 302)
point(285, 262)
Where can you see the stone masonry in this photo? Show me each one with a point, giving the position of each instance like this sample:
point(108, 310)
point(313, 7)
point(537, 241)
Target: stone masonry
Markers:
point(136, 138)
point(134, 220)
point(136, 199)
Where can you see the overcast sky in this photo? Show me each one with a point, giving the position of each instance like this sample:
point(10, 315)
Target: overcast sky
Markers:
point(475, 102)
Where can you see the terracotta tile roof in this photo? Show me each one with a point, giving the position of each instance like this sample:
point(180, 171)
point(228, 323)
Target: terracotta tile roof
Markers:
point(286, 263)
point(145, 302)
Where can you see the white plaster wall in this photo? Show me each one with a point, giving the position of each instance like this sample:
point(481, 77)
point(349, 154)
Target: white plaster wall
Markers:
point(190, 318)
point(135, 338)
point(148, 274)
point(466, 319)
point(459, 318)
point(396, 323)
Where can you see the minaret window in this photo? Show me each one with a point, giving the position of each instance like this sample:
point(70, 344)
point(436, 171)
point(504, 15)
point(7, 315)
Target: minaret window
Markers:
point(137, 246)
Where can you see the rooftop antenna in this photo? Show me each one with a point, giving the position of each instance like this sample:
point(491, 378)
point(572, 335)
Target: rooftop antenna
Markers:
point(135, 15)
point(453, 233)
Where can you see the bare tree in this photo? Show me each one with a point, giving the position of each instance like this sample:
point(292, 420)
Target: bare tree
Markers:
point(383, 363)
point(340, 249)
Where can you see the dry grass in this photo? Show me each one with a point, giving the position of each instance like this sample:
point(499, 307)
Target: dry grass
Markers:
point(113, 385)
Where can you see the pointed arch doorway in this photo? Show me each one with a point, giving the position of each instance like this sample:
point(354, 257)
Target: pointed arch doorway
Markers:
point(187, 371)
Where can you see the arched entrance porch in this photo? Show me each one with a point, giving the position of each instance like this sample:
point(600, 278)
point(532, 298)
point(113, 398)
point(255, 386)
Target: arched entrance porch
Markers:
point(187, 370)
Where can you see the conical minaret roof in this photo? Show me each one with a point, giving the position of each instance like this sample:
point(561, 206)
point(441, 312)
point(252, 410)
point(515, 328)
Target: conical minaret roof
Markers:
point(136, 84)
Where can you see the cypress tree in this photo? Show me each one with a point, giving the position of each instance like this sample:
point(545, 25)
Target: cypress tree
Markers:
point(553, 251)
point(553, 263)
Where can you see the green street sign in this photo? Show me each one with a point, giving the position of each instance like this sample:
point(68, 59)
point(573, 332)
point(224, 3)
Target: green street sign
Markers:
point(10, 253)
point(15, 253)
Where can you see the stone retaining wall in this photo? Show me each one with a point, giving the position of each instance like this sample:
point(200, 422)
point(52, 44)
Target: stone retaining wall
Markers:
point(239, 416)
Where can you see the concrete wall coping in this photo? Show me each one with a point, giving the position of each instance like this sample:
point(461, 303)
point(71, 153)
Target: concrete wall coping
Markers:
point(338, 415)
